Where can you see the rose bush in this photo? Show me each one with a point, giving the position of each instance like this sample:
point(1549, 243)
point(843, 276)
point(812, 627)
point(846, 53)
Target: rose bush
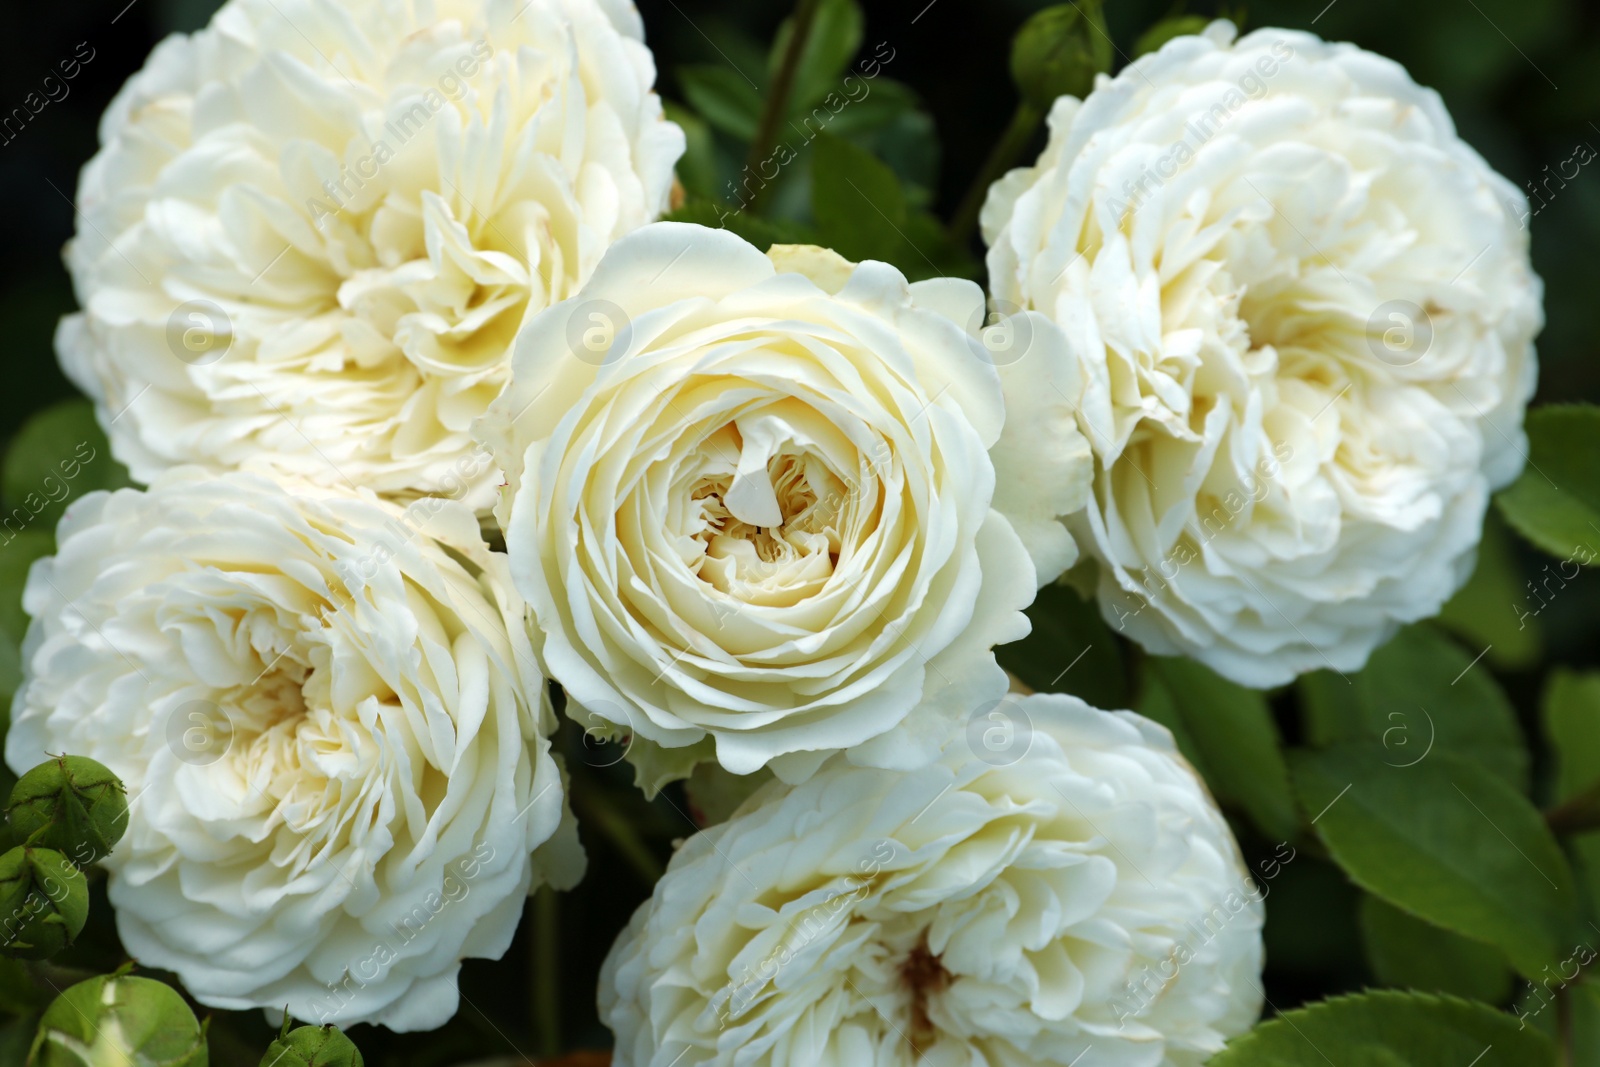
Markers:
point(332, 729)
point(314, 228)
point(1082, 893)
point(1305, 313)
point(752, 502)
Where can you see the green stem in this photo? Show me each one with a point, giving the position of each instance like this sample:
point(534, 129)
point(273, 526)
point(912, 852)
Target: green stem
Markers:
point(1577, 813)
point(547, 970)
point(776, 107)
point(594, 809)
point(1002, 158)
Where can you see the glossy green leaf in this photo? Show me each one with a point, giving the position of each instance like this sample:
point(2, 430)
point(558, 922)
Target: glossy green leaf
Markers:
point(1407, 952)
point(1419, 694)
point(1556, 502)
point(1447, 841)
point(1235, 743)
point(1385, 1028)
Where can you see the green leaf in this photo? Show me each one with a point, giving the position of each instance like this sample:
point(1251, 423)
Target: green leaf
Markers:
point(910, 145)
point(1389, 1029)
point(763, 233)
point(1571, 716)
point(57, 456)
point(1556, 502)
point(834, 41)
point(857, 201)
point(715, 794)
point(1152, 39)
point(20, 992)
point(1537, 1007)
point(881, 102)
point(723, 98)
point(1448, 842)
point(861, 208)
point(1405, 951)
point(1495, 609)
point(1069, 650)
point(1234, 742)
point(1419, 694)
point(931, 255)
point(16, 559)
point(697, 169)
point(16, 1036)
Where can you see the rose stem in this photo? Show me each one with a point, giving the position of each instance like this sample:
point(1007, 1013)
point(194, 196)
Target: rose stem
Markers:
point(547, 970)
point(1002, 157)
point(776, 107)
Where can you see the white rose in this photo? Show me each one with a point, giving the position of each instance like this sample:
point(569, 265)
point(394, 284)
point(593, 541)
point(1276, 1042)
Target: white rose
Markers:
point(1074, 889)
point(1306, 316)
point(332, 729)
point(315, 226)
point(750, 500)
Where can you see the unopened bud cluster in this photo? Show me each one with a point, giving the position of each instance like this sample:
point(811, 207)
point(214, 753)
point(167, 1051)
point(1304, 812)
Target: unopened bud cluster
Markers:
point(64, 814)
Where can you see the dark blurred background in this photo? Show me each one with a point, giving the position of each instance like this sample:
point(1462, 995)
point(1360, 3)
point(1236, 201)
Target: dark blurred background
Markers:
point(1521, 77)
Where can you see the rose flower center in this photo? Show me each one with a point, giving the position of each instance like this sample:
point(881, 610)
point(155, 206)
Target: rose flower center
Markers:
point(767, 521)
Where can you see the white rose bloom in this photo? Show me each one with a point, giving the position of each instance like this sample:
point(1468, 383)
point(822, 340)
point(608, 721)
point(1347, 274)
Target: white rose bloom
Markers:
point(1019, 906)
point(750, 500)
point(1306, 316)
point(332, 730)
point(315, 226)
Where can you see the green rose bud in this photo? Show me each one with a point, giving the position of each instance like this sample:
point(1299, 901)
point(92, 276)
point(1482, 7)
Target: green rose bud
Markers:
point(44, 902)
point(71, 804)
point(1165, 30)
point(117, 1020)
point(312, 1046)
point(1059, 51)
